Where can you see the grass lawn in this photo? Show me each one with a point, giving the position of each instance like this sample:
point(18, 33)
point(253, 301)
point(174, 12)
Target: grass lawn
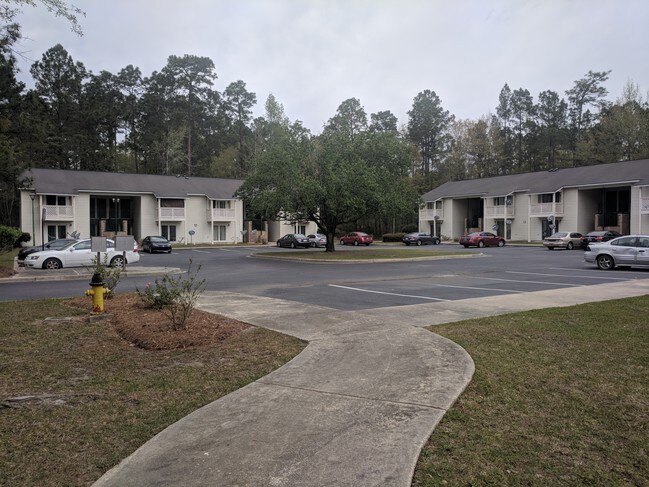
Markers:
point(91, 398)
point(369, 254)
point(559, 397)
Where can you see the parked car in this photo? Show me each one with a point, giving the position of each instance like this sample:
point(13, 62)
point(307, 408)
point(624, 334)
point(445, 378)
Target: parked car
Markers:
point(598, 236)
point(317, 240)
point(563, 240)
point(356, 238)
point(481, 239)
point(56, 244)
point(420, 238)
point(630, 250)
point(156, 243)
point(294, 240)
point(78, 254)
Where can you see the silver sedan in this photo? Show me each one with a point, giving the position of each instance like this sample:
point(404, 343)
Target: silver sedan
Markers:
point(631, 251)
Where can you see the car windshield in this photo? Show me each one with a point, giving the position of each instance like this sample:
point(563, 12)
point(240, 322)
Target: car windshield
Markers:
point(158, 239)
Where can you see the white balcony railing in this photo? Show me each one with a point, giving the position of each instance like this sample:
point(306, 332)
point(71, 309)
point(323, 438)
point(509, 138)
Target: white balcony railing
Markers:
point(500, 211)
point(172, 214)
point(221, 214)
point(56, 212)
point(546, 209)
point(430, 214)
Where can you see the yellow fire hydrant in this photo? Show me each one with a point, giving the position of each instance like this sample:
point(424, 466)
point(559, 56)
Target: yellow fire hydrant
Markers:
point(97, 292)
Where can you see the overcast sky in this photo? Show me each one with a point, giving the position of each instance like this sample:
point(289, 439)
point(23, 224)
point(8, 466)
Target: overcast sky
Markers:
point(314, 54)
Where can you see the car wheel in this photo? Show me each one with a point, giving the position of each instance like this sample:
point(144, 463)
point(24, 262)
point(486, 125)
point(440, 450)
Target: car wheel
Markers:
point(52, 264)
point(550, 248)
point(569, 246)
point(501, 243)
point(407, 244)
point(342, 242)
point(436, 242)
point(367, 244)
point(117, 261)
point(605, 262)
point(480, 244)
point(278, 244)
point(356, 243)
point(168, 251)
point(418, 243)
point(466, 246)
point(292, 245)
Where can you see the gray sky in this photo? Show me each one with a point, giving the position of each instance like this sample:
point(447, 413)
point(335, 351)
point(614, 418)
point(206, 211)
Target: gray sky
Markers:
point(313, 54)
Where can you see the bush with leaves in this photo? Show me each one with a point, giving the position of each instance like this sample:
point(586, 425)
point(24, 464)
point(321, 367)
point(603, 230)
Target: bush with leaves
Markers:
point(175, 296)
point(12, 237)
point(110, 276)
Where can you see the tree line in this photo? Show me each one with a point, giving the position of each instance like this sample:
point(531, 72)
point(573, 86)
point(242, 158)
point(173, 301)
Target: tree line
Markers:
point(175, 121)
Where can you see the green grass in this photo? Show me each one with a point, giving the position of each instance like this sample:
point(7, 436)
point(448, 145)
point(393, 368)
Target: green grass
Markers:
point(7, 259)
point(96, 398)
point(362, 254)
point(559, 397)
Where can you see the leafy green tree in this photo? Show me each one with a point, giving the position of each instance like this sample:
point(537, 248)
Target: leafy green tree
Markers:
point(337, 178)
point(191, 78)
point(551, 138)
point(587, 94)
point(130, 83)
point(238, 103)
point(428, 126)
point(350, 119)
point(384, 121)
point(522, 111)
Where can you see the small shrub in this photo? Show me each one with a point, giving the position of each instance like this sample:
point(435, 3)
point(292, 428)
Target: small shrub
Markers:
point(175, 296)
point(393, 237)
point(110, 276)
point(10, 237)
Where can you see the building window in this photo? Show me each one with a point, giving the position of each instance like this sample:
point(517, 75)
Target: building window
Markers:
point(222, 204)
point(53, 200)
point(171, 203)
point(169, 232)
point(301, 229)
point(499, 201)
point(56, 231)
point(220, 233)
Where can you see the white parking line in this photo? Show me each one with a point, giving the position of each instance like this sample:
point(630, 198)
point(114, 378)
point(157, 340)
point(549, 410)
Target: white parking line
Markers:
point(200, 251)
point(390, 294)
point(481, 288)
point(572, 275)
point(527, 282)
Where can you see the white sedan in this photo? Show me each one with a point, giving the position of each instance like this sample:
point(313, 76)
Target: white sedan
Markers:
point(80, 254)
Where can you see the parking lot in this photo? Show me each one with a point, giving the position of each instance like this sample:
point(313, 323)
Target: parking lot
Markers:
point(366, 285)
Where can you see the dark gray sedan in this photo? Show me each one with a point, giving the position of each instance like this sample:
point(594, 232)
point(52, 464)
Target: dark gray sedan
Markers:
point(293, 240)
point(420, 238)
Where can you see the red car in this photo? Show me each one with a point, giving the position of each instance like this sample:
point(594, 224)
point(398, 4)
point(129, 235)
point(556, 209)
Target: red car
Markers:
point(481, 239)
point(356, 238)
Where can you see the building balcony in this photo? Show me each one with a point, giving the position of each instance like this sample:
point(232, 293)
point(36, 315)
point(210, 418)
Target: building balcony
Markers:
point(221, 214)
point(431, 214)
point(171, 214)
point(546, 209)
point(499, 211)
point(58, 213)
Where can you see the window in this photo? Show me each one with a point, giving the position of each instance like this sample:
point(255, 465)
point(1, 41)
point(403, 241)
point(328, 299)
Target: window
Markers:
point(220, 233)
point(169, 232)
point(624, 242)
point(53, 200)
point(301, 229)
point(172, 203)
point(222, 204)
point(56, 231)
point(499, 201)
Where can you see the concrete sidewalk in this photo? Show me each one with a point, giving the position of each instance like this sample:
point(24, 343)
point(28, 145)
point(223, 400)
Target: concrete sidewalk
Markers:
point(353, 409)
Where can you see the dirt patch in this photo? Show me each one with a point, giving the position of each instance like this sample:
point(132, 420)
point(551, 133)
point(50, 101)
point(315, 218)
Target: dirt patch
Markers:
point(150, 329)
point(6, 272)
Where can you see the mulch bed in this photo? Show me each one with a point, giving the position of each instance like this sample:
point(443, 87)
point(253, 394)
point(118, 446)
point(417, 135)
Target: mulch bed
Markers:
point(150, 329)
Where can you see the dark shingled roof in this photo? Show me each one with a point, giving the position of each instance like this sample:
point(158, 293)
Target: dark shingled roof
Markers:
point(64, 182)
point(628, 173)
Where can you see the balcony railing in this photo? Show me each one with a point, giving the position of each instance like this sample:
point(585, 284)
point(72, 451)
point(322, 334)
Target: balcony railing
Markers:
point(171, 214)
point(500, 211)
point(221, 214)
point(56, 212)
point(430, 214)
point(546, 209)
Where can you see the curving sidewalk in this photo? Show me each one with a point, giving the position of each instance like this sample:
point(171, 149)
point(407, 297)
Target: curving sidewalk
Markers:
point(353, 409)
